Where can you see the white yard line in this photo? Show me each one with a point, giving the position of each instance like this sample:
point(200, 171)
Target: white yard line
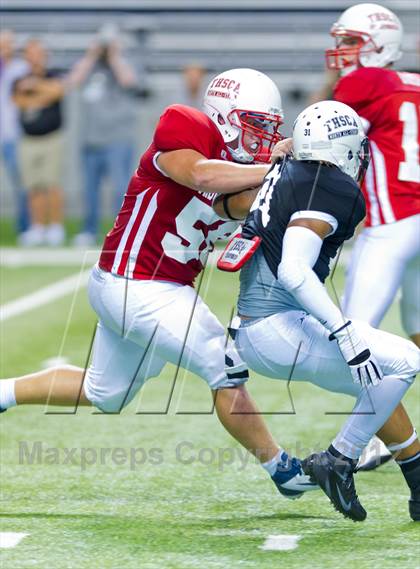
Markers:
point(281, 542)
point(18, 257)
point(44, 295)
point(10, 539)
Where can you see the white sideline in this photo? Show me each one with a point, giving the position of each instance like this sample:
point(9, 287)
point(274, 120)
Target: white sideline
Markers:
point(60, 257)
point(281, 542)
point(44, 295)
point(18, 257)
point(10, 539)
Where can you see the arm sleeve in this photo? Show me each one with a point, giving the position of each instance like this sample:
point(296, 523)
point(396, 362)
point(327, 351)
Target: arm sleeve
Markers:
point(301, 248)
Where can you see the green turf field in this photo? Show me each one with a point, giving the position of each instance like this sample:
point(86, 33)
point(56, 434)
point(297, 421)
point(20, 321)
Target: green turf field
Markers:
point(155, 490)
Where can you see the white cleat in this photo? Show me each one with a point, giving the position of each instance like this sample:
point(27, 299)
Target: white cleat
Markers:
point(84, 240)
point(55, 235)
point(33, 237)
point(375, 455)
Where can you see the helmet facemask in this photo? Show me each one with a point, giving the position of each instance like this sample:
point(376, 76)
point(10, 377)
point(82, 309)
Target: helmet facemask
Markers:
point(350, 48)
point(364, 160)
point(257, 134)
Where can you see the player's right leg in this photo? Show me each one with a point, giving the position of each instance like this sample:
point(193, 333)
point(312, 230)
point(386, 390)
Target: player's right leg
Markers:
point(60, 385)
point(119, 365)
point(189, 335)
point(399, 361)
point(296, 345)
point(379, 264)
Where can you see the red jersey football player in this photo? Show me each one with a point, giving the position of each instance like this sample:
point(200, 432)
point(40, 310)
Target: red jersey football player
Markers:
point(142, 288)
point(386, 254)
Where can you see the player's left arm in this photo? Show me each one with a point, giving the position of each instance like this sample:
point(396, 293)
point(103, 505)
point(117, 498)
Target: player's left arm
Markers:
point(193, 170)
point(235, 206)
point(302, 244)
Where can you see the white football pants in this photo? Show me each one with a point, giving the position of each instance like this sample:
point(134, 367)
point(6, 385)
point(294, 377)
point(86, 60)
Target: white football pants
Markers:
point(384, 258)
point(294, 345)
point(142, 326)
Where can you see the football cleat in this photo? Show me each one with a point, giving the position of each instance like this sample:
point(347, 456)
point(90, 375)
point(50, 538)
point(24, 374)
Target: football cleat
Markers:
point(412, 478)
point(375, 455)
point(335, 477)
point(414, 504)
point(290, 479)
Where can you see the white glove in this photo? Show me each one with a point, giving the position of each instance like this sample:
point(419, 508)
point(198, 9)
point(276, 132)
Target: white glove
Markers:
point(363, 365)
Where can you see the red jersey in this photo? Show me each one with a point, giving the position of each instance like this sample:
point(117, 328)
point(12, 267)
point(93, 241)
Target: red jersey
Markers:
point(164, 230)
point(390, 103)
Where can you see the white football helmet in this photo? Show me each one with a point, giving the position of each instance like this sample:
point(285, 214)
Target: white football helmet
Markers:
point(245, 105)
point(332, 132)
point(366, 35)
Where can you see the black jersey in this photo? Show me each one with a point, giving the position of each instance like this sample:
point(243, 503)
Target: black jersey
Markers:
point(293, 186)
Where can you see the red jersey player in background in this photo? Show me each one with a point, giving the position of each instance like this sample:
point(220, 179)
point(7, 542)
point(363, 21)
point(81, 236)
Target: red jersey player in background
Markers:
point(386, 254)
point(142, 288)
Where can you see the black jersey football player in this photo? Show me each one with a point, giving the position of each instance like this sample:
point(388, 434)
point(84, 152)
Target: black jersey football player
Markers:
point(290, 326)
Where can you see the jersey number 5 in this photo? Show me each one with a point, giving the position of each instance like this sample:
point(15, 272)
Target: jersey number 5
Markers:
point(409, 170)
point(189, 242)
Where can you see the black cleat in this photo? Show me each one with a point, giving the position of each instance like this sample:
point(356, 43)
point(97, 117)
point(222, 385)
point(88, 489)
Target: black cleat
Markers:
point(414, 505)
point(335, 477)
point(412, 478)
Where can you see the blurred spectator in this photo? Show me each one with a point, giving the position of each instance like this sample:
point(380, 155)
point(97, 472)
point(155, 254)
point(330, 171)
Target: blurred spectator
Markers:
point(38, 96)
point(194, 84)
point(108, 124)
point(11, 69)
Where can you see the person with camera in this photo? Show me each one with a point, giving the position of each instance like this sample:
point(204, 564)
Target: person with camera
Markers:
point(109, 87)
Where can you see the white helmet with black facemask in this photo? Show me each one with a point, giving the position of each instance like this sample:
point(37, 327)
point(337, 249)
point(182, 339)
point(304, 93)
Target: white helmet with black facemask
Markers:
point(332, 132)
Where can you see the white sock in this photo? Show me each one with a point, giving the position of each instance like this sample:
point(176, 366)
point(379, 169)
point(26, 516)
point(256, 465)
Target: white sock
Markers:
point(271, 465)
point(7, 393)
